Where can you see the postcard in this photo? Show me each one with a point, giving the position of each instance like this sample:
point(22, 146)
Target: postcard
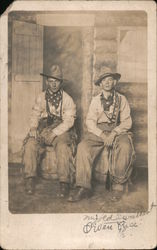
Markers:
point(78, 125)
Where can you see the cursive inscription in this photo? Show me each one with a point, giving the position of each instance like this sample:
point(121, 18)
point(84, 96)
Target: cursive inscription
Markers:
point(96, 227)
point(111, 222)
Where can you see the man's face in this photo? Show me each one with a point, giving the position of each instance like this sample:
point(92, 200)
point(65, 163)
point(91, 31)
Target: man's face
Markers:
point(53, 84)
point(108, 83)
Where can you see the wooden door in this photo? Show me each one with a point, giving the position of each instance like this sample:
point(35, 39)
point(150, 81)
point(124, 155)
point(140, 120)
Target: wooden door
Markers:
point(27, 63)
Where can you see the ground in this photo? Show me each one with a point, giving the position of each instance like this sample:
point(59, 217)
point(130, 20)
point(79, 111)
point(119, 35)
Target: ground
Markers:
point(45, 199)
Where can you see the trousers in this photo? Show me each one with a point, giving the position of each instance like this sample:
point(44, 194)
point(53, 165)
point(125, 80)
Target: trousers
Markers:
point(33, 153)
point(119, 158)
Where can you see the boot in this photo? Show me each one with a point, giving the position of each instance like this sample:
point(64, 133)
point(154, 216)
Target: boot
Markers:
point(64, 189)
point(79, 194)
point(30, 185)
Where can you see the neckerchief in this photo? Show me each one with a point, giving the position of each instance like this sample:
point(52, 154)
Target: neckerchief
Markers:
point(106, 103)
point(53, 98)
point(115, 102)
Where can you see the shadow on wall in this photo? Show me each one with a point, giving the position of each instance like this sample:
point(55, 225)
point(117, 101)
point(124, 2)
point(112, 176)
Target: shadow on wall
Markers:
point(63, 46)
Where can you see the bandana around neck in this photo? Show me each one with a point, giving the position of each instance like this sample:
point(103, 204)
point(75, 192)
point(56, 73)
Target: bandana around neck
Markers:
point(106, 103)
point(53, 98)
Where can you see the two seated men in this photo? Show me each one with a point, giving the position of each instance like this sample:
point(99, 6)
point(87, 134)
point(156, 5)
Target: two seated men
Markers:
point(108, 122)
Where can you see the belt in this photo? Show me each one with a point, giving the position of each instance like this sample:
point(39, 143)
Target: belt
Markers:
point(105, 126)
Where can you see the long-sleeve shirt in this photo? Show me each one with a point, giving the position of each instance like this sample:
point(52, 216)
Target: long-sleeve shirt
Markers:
point(68, 113)
point(97, 115)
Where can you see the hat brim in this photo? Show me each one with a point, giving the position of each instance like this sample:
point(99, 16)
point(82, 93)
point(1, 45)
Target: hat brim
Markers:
point(116, 76)
point(54, 77)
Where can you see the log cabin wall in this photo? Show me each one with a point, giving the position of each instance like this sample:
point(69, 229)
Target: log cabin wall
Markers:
point(106, 54)
point(99, 47)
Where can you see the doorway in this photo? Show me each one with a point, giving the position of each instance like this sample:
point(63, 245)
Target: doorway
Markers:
point(63, 46)
point(34, 48)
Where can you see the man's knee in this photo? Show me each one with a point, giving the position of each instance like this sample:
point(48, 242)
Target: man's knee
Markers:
point(124, 143)
point(62, 147)
point(62, 139)
point(83, 147)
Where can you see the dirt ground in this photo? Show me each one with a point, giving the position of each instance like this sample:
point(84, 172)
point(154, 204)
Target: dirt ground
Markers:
point(45, 199)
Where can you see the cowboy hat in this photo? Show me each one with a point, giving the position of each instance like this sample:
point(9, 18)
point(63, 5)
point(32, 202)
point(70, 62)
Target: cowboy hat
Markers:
point(105, 72)
point(54, 72)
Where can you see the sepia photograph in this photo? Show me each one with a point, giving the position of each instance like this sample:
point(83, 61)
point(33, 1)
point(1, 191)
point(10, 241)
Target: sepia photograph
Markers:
point(77, 112)
point(78, 101)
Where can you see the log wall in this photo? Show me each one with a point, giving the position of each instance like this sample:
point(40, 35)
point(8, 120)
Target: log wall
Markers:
point(106, 54)
point(86, 51)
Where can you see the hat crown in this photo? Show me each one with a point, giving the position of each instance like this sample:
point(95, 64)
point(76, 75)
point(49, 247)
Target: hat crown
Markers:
point(105, 70)
point(55, 71)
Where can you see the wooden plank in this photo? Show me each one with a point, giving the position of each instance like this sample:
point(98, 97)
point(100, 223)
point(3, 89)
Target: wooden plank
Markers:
point(139, 136)
point(137, 90)
point(121, 18)
point(28, 53)
point(141, 162)
point(105, 59)
point(27, 64)
point(139, 105)
point(87, 36)
point(141, 147)
point(139, 119)
point(20, 28)
point(105, 33)
point(105, 46)
point(27, 78)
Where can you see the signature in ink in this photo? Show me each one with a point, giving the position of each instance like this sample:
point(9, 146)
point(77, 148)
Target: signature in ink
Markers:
point(122, 223)
point(123, 226)
point(96, 227)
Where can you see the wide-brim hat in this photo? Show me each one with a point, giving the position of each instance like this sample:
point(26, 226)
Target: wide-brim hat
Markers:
point(54, 72)
point(105, 72)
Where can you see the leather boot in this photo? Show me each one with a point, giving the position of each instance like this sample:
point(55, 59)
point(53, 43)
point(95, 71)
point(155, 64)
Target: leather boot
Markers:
point(79, 194)
point(30, 185)
point(64, 189)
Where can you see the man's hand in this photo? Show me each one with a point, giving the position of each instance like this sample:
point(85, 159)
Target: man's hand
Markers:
point(47, 136)
point(33, 132)
point(49, 139)
point(103, 137)
point(44, 133)
point(110, 139)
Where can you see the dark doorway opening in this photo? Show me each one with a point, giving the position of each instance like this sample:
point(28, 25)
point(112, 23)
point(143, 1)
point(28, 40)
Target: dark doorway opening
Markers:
point(63, 46)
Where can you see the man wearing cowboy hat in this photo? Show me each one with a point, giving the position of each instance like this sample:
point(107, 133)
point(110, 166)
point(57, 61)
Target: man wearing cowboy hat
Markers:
point(108, 122)
point(51, 124)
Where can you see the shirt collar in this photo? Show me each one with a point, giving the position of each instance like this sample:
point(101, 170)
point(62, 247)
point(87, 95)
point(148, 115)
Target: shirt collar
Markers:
point(105, 95)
